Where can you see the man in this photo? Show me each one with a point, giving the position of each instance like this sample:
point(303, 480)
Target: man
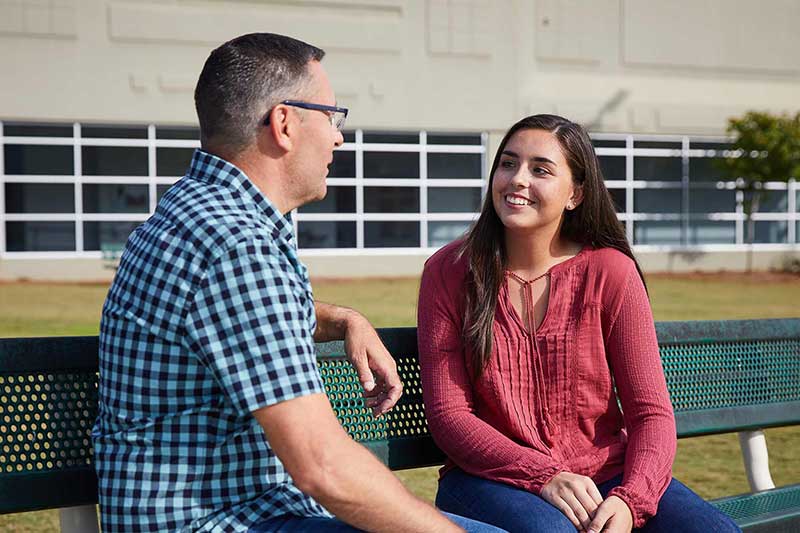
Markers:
point(212, 412)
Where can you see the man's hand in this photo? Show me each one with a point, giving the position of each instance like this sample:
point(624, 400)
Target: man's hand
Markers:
point(613, 515)
point(576, 496)
point(376, 368)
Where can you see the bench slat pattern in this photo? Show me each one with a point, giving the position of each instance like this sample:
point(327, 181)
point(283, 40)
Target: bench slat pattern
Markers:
point(769, 508)
point(400, 438)
point(48, 405)
point(732, 375)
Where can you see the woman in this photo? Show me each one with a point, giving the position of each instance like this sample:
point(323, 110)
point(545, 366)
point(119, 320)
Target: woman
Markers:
point(526, 326)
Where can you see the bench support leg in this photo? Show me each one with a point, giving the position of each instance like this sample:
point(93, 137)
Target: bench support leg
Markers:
point(82, 519)
point(756, 459)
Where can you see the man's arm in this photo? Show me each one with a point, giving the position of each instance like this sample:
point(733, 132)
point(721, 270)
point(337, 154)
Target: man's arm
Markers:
point(376, 368)
point(343, 476)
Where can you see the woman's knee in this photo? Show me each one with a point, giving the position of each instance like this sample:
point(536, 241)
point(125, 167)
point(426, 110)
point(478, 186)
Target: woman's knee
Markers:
point(499, 504)
point(681, 509)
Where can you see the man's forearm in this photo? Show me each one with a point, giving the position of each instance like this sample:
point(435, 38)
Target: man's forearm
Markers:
point(343, 476)
point(332, 321)
point(362, 492)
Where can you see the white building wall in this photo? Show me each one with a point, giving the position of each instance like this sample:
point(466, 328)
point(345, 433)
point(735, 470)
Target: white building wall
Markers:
point(618, 66)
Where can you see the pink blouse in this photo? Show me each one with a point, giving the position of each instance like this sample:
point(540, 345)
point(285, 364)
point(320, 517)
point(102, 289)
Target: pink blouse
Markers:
point(545, 403)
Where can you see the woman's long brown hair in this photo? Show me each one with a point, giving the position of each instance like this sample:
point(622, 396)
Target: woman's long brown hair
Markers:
point(592, 223)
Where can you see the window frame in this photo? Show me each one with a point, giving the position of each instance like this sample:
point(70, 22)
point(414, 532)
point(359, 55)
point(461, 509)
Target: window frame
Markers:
point(619, 145)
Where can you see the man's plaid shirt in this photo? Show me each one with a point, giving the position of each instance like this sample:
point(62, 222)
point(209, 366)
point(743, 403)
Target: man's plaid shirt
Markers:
point(209, 318)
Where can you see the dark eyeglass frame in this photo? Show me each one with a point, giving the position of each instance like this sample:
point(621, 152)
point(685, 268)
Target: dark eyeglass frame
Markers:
point(337, 115)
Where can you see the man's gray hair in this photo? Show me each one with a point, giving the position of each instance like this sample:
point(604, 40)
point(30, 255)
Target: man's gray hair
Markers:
point(242, 80)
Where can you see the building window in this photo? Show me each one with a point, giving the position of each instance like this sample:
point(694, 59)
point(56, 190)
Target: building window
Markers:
point(76, 189)
point(114, 161)
point(671, 191)
point(397, 190)
point(103, 234)
point(40, 236)
point(173, 162)
point(391, 234)
point(318, 234)
point(38, 160)
point(456, 166)
point(379, 165)
point(391, 199)
point(454, 200)
point(115, 198)
point(40, 198)
point(338, 199)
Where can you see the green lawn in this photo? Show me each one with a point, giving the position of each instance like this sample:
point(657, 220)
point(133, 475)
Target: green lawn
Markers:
point(711, 465)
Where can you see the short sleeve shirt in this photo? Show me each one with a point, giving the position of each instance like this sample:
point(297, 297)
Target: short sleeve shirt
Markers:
point(209, 318)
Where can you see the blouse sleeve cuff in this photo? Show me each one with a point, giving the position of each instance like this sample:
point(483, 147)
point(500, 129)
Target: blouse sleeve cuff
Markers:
point(640, 511)
point(544, 477)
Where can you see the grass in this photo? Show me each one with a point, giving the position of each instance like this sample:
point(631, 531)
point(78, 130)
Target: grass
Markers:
point(710, 465)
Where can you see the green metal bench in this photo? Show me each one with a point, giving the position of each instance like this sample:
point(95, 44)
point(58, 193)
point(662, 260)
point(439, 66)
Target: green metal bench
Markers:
point(723, 376)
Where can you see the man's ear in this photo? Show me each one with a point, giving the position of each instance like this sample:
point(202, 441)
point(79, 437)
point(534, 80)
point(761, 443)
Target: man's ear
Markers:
point(281, 127)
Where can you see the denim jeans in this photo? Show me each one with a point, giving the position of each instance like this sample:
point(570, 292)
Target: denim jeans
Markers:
point(679, 511)
point(297, 524)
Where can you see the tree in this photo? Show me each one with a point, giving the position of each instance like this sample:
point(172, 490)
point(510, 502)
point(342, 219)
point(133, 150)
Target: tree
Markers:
point(766, 147)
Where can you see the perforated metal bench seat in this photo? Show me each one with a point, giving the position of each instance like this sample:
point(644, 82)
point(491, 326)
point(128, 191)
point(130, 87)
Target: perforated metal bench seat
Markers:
point(723, 376)
point(776, 510)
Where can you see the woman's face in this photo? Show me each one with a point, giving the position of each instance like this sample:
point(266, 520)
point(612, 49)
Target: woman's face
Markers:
point(533, 184)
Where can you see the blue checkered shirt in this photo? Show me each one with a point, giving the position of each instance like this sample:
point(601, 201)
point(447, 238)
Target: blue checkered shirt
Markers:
point(209, 318)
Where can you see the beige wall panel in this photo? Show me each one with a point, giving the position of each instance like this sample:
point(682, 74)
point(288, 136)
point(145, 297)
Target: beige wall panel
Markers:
point(353, 6)
point(421, 89)
point(694, 119)
point(577, 31)
point(634, 103)
point(211, 24)
point(642, 118)
point(58, 81)
point(402, 104)
point(92, 79)
point(440, 64)
point(98, 78)
point(719, 34)
point(459, 27)
point(599, 102)
point(594, 116)
point(38, 18)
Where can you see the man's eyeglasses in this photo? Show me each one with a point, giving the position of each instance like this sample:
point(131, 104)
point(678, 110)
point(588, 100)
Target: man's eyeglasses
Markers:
point(337, 115)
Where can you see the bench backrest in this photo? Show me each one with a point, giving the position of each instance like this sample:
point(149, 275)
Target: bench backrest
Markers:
point(722, 376)
point(48, 404)
point(732, 375)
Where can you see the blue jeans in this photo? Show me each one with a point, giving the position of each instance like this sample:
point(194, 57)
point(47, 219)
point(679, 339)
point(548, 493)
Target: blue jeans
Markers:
point(297, 524)
point(679, 511)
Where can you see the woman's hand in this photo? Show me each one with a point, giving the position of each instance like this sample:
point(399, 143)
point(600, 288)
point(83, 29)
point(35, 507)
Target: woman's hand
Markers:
point(577, 497)
point(613, 515)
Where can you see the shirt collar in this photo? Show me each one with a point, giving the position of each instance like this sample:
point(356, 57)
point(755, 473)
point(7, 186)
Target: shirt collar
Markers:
point(214, 170)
